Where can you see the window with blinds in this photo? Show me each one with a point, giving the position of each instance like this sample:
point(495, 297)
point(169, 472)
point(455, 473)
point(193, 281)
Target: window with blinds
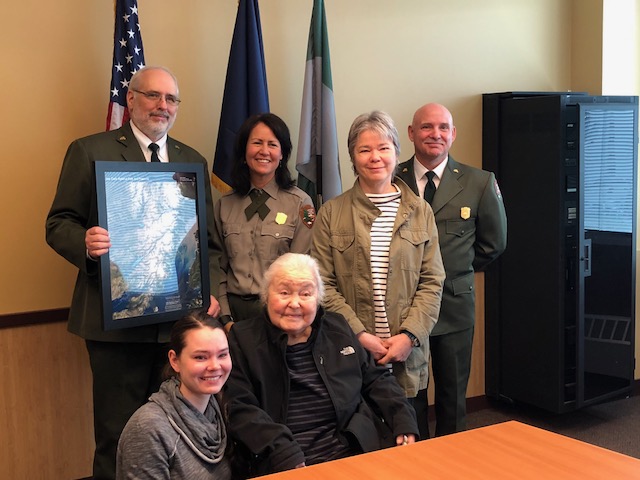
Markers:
point(608, 150)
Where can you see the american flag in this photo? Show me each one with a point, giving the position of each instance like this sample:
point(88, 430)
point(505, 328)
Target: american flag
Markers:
point(128, 57)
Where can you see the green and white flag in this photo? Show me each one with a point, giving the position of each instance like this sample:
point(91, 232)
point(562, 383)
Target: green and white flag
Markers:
point(317, 161)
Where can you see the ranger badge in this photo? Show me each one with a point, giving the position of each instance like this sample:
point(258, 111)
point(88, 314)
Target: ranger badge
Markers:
point(281, 218)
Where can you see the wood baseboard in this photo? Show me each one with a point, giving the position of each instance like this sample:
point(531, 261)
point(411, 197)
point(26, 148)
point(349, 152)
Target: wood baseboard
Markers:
point(33, 318)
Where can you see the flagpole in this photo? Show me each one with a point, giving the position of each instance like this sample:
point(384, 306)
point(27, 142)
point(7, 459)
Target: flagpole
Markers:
point(319, 180)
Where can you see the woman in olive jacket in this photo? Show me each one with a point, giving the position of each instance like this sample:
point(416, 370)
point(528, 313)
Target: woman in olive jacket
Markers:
point(377, 247)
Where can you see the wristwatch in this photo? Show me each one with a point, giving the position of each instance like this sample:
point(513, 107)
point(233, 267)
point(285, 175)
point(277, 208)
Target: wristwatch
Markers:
point(224, 319)
point(414, 340)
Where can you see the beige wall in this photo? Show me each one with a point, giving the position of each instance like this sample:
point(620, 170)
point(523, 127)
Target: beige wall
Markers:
point(586, 46)
point(385, 55)
point(56, 78)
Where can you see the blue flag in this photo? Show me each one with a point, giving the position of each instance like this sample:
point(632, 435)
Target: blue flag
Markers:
point(245, 89)
point(317, 161)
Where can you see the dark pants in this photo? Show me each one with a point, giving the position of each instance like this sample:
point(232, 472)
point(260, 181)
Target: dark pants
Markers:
point(124, 376)
point(450, 364)
point(421, 404)
point(244, 307)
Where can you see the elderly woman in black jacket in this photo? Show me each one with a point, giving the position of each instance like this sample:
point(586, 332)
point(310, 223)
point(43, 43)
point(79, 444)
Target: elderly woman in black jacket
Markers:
point(303, 390)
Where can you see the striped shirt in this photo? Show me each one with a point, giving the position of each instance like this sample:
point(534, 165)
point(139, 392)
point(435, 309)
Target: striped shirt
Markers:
point(381, 231)
point(311, 416)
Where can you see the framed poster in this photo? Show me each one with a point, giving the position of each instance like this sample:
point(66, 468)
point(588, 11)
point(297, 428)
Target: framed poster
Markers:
point(157, 268)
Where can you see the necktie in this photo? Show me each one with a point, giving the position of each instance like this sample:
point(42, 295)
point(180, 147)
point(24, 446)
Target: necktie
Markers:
point(258, 199)
point(154, 147)
point(430, 189)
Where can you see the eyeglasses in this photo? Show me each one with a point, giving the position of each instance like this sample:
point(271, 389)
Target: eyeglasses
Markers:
point(156, 97)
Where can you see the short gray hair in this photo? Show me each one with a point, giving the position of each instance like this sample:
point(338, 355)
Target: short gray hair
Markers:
point(135, 78)
point(292, 262)
point(377, 121)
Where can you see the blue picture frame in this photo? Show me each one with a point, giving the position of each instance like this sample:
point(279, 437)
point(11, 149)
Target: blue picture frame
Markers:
point(156, 270)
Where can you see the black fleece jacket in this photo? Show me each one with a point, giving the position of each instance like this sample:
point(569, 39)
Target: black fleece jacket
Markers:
point(371, 408)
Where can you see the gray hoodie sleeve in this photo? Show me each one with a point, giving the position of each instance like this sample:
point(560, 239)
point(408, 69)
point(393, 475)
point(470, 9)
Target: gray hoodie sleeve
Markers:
point(146, 446)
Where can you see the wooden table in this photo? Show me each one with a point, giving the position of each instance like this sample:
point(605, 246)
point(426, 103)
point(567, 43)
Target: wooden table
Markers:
point(510, 450)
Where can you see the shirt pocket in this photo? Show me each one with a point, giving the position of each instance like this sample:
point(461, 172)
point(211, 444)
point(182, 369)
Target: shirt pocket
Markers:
point(278, 237)
point(461, 228)
point(342, 246)
point(463, 285)
point(341, 242)
point(415, 236)
point(232, 237)
point(412, 248)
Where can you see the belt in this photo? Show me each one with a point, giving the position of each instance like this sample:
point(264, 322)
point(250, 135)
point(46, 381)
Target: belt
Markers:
point(245, 297)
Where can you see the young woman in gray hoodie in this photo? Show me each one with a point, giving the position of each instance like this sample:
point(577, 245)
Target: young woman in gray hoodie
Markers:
point(180, 433)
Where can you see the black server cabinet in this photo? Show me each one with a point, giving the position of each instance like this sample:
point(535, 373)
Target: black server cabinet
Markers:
point(560, 302)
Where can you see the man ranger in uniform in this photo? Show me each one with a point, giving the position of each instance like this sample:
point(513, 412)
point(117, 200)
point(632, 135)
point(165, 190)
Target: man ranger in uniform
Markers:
point(472, 229)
